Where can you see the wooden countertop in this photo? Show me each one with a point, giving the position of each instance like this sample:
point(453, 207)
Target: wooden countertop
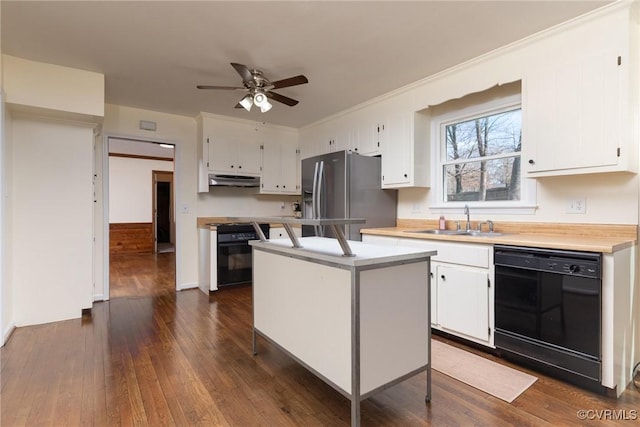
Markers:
point(596, 243)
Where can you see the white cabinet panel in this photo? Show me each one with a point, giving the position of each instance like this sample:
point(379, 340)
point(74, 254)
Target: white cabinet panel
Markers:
point(405, 155)
point(572, 116)
point(281, 233)
point(463, 301)
point(280, 162)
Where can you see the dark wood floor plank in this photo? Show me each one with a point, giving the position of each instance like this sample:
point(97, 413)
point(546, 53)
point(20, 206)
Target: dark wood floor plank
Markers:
point(151, 356)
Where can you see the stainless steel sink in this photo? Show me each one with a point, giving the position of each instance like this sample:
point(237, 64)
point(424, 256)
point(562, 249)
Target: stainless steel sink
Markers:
point(456, 232)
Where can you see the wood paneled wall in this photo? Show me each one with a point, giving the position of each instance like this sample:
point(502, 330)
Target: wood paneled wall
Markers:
point(131, 238)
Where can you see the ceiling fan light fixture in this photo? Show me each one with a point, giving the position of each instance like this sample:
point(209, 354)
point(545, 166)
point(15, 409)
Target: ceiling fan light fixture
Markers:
point(247, 102)
point(266, 106)
point(261, 100)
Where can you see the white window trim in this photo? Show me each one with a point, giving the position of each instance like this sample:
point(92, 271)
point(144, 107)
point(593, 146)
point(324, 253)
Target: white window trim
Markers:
point(526, 205)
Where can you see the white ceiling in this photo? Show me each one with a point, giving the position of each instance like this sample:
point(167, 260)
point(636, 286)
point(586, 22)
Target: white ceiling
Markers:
point(154, 53)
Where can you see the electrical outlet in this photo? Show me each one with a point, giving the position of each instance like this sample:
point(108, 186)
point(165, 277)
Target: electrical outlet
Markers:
point(185, 208)
point(576, 205)
point(281, 205)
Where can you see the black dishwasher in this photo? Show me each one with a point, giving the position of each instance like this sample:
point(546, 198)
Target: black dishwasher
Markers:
point(548, 311)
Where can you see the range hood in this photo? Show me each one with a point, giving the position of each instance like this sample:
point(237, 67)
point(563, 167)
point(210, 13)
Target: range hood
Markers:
point(217, 180)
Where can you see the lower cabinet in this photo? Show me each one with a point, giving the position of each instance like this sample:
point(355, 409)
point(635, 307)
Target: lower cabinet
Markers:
point(462, 295)
point(281, 233)
point(463, 301)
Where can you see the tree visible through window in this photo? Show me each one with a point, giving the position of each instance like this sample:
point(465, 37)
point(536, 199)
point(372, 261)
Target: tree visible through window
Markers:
point(482, 161)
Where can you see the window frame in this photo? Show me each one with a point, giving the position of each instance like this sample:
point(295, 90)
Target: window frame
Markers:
point(527, 202)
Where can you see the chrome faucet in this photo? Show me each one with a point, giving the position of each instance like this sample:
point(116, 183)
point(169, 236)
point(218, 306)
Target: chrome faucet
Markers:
point(466, 212)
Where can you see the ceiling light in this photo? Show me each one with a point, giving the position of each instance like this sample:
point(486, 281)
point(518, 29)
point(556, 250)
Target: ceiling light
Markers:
point(247, 102)
point(260, 99)
point(266, 106)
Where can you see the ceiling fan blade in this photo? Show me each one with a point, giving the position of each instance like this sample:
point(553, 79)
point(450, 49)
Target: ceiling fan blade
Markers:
point(291, 81)
point(238, 105)
point(220, 87)
point(281, 98)
point(244, 72)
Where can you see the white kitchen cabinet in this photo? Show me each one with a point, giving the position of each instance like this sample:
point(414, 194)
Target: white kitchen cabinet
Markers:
point(280, 162)
point(404, 146)
point(571, 112)
point(463, 301)
point(281, 233)
point(578, 109)
point(234, 148)
point(367, 136)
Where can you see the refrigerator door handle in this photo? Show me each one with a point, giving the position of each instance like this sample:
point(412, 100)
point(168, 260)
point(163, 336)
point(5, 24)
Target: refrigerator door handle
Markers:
point(319, 229)
point(314, 194)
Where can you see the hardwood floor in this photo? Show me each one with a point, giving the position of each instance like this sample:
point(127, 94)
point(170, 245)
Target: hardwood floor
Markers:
point(185, 359)
point(135, 275)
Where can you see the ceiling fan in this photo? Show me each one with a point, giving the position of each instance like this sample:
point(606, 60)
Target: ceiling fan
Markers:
point(259, 88)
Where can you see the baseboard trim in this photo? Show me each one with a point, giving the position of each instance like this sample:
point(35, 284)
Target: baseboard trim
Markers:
point(186, 286)
point(8, 332)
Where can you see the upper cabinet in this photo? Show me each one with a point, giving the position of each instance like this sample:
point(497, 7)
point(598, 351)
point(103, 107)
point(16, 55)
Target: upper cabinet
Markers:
point(576, 111)
point(234, 148)
point(405, 155)
point(280, 162)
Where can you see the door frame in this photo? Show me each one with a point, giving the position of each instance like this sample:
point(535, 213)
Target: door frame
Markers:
point(177, 171)
point(162, 176)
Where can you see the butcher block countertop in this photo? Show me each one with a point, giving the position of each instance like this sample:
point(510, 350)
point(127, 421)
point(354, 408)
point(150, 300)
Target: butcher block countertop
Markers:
point(577, 237)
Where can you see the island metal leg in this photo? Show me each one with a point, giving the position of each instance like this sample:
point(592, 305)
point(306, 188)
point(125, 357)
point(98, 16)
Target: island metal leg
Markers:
point(355, 349)
point(428, 396)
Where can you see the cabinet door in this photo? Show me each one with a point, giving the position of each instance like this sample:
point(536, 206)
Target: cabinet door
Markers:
point(222, 154)
point(571, 114)
point(463, 301)
point(434, 294)
point(249, 155)
point(270, 180)
point(289, 166)
point(396, 151)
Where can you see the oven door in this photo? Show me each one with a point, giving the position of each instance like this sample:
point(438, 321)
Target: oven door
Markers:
point(234, 263)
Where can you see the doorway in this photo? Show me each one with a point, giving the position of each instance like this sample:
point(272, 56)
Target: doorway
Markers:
point(164, 224)
point(141, 220)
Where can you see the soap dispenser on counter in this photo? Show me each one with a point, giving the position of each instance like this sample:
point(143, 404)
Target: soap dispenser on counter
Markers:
point(442, 224)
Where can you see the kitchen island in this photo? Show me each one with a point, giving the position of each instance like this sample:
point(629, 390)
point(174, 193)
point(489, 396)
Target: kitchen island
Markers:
point(358, 320)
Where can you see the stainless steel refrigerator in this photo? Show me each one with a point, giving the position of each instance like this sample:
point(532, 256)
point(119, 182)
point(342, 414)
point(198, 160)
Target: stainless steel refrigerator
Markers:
point(344, 184)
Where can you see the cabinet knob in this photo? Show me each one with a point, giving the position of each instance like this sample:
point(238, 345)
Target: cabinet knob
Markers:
point(356, 149)
point(284, 186)
point(239, 167)
point(531, 162)
point(405, 175)
point(443, 278)
point(231, 166)
point(431, 274)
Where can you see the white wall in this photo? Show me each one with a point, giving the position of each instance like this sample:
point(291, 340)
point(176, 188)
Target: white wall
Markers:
point(53, 87)
point(131, 188)
point(52, 210)
point(120, 121)
point(234, 201)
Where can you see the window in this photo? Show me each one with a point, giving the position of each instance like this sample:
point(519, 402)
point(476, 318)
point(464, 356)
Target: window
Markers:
point(482, 157)
point(477, 144)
